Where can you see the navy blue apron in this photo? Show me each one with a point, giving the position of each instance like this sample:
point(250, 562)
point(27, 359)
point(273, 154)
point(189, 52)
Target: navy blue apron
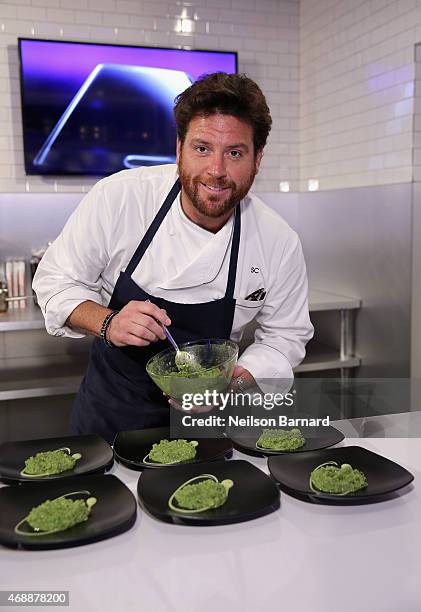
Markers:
point(116, 393)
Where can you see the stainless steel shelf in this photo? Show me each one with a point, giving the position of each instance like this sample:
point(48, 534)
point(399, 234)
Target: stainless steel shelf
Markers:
point(57, 375)
point(19, 319)
point(43, 387)
point(321, 357)
point(324, 300)
point(60, 375)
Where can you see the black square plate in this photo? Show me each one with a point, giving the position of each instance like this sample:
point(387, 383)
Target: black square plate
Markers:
point(97, 456)
point(114, 512)
point(292, 472)
point(254, 494)
point(131, 447)
point(316, 438)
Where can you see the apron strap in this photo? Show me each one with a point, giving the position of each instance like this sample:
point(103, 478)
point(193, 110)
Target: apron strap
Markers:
point(229, 293)
point(153, 228)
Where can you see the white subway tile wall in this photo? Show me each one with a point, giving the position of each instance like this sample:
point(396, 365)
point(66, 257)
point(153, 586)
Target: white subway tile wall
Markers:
point(338, 75)
point(357, 95)
point(264, 32)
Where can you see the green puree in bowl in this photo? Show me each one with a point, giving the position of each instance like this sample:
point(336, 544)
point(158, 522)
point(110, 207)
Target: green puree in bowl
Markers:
point(171, 451)
point(178, 382)
point(329, 477)
point(208, 371)
point(193, 372)
point(281, 439)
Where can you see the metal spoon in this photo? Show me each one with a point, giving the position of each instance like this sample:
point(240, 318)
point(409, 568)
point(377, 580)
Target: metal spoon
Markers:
point(182, 358)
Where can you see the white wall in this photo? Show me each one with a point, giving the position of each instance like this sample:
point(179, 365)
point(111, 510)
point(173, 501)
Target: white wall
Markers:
point(357, 71)
point(264, 32)
point(338, 75)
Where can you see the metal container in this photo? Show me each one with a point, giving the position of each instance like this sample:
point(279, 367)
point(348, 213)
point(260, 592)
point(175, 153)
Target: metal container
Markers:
point(3, 297)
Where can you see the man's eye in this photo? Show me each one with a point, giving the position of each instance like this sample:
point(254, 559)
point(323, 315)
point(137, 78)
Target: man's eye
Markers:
point(201, 149)
point(235, 153)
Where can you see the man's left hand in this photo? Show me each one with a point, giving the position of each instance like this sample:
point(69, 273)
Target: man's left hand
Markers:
point(241, 380)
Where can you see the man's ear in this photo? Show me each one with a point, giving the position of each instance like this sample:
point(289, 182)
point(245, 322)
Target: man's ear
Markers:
point(257, 161)
point(178, 150)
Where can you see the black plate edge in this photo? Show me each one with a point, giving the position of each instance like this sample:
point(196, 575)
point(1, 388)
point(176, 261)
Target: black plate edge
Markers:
point(139, 467)
point(56, 545)
point(257, 453)
point(99, 438)
point(247, 451)
point(25, 481)
point(198, 522)
point(263, 455)
point(344, 501)
point(89, 435)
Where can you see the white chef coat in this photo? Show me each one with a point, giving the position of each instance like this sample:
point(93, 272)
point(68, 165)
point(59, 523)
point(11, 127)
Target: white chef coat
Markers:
point(183, 263)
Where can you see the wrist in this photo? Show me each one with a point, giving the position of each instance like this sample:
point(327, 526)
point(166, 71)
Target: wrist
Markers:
point(105, 329)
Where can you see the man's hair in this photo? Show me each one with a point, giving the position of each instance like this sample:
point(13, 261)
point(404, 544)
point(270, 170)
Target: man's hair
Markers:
point(224, 94)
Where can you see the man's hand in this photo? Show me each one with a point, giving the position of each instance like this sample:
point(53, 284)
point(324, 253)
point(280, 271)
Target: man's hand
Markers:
point(242, 379)
point(138, 324)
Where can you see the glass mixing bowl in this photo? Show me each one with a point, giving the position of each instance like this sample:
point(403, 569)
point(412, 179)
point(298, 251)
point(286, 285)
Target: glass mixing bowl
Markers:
point(216, 358)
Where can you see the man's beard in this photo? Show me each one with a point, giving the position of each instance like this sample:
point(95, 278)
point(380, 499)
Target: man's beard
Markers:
point(214, 206)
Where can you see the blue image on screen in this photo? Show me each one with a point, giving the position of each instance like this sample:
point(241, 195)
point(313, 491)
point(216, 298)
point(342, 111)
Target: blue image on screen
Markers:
point(95, 109)
point(128, 106)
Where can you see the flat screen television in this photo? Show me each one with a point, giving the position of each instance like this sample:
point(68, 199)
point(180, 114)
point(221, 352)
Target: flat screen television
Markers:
point(95, 109)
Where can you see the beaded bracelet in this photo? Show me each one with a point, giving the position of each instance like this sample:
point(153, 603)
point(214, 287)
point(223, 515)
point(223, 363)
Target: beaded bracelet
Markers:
point(104, 327)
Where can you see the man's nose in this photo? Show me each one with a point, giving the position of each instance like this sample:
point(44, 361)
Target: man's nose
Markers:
point(217, 166)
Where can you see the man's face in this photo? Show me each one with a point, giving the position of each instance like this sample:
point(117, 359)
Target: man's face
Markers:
point(216, 164)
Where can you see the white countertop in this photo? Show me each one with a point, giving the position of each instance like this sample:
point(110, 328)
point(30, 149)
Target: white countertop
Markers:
point(301, 557)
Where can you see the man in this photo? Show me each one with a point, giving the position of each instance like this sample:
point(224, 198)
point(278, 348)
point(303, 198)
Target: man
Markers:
point(181, 245)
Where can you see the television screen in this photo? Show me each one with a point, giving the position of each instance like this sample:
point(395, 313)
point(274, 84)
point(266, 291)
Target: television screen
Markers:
point(96, 108)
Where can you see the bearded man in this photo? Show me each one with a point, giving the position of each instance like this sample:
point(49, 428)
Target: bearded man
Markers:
point(183, 245)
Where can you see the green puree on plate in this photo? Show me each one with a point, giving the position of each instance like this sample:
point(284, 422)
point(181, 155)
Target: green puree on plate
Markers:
point(281, 439)
point(329, 477)
point(171, 451)
point(50, 462)
point(204, 495)
point(57, 515)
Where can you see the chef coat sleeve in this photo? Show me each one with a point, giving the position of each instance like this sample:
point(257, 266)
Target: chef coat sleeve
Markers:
point(284, 325)
point(70, 271)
